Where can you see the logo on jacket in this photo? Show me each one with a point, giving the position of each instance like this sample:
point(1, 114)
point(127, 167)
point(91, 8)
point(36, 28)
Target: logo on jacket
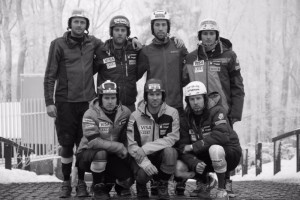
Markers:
point(122, 121)
point(198, 63)
point(145, 129)
point(163, 129)
point(104, 127)
point(199, 69)
point(108, 60)
point(192, 135)
point(221, 116)
point(215, 69)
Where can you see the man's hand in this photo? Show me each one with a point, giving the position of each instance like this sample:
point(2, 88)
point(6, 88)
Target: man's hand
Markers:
point(151, 170)
point(123, 154)
point(140, 155)
point(51, 111)
point(136, 44)
point(200, 167)
point(178, 42)
point(188, 148)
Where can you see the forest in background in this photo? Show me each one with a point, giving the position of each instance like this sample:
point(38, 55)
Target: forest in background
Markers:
point(265, 36)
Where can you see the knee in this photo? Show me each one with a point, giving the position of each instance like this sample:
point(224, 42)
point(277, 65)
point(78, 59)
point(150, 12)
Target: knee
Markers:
point(169, 155)
point(182, 171)
point(99, 162)
point(217, 156)
point(66, 153)
point(142, 177)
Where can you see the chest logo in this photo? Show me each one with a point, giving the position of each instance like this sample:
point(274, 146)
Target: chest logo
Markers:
point(145, 129)
point(198, 63)
point(108, 60)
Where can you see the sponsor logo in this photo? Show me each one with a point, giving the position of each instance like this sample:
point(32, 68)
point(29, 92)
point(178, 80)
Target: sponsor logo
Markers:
point(221, 116)
point(215, 69)
point(104, 124)
point(88, 121)
point(132, 56)
point(198, 63)
point(199, 69)
point(122, 121)
point(145, 127)
point(111, 65)
point(174, 51)
point(108, 60)
point(132, 62)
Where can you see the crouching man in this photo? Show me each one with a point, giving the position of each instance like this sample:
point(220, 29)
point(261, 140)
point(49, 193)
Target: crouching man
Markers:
point(207, 141)
point(102, 150)
point(152, 131)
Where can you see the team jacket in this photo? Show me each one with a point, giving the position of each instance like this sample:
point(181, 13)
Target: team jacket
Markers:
point(70, 65)
point(122, 71)
point(165, 62)
point(214, 128)
point(143, 131)
point(99, 132)
point(220, 73)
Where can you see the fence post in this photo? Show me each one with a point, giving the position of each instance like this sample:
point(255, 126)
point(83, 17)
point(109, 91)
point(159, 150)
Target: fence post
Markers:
point(298, 152)
point(19, 159)
point(245, 162)
point(258, 158)
point(277, 157)
point(7, 155)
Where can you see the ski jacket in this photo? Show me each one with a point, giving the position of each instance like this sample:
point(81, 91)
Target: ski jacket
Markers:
point(122, 71)
point(99, 132)
point(214, 128)
point(152, 136)
point(220, 73)
point(164, 61)
point(70, 65)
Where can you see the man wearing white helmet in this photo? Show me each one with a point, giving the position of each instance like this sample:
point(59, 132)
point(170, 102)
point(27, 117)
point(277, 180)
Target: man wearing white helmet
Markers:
point(207, 142)
point(102, 150)
point(163, 60)
point(70, 68)
point(216, 65)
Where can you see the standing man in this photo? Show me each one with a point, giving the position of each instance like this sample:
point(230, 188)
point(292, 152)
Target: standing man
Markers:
point(116, 61)
point(163, 60)
point(207, 141)
point(152, 131)
point(102, 150)
point(216, 65)
point(70, 67)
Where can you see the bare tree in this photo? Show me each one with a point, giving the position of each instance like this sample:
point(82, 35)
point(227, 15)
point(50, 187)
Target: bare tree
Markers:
point(23, 45)
point(5, 5)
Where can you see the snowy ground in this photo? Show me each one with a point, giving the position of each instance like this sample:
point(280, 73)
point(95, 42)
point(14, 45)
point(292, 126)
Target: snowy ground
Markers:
point(287, 174)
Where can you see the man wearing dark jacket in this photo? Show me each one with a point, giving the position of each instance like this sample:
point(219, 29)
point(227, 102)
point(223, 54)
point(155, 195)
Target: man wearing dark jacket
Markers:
point(216, 65)
point(116, 61)
point(70, 66)
point(207, 141)
point(163, 60)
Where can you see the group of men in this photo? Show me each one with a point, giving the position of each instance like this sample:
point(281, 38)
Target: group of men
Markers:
point(121, 144)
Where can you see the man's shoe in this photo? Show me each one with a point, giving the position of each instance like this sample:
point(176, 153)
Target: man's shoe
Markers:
point(81, 189)
point(153, 187)
point(221, 194)
point(121, 191)
point(142, 191)
point(180, 188)
point(202, 191)
point(100, 192)
point(66, 189)
point(228, 187)
point(162, 190)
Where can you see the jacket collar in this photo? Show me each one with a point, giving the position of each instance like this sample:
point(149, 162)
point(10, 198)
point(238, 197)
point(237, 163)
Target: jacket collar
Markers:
point(142, 107)
point(71, 43)
point(222, 46)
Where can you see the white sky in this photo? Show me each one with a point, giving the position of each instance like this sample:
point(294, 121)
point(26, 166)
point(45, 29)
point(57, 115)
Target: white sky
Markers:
point(287, 174)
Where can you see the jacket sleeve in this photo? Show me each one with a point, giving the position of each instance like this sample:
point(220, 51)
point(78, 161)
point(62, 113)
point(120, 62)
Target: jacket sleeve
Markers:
point(167, 141)
point(142, 63)
point(98, 46)
point(237, 88)
point(90, 130)
point(54, 57)
point(134, 142)
point(220, 130)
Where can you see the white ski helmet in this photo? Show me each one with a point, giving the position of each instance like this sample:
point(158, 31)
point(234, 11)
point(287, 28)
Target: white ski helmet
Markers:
point(160, 14)
point(208, 25)
point(195, 88)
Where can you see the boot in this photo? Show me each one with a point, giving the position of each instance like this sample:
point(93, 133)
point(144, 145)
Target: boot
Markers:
point(121, 191)
point(81, 189)
point(66, 189)
point(228, 187)
point(153, 187)
point(100, 192)
point(162, 190)
point(180, 188)
point(202, 191)
point(221, 194)
point(142, 191)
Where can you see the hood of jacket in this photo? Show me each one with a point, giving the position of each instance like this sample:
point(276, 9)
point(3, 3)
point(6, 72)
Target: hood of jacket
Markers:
point(71, 43)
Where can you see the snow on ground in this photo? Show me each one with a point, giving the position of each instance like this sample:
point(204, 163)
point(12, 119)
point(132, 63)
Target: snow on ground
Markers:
point(287, 174)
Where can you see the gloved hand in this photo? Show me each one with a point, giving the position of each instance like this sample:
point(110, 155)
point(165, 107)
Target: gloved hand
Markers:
point(140, 155)
point(123, 153)
point(151, 170)
point(200, 167)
